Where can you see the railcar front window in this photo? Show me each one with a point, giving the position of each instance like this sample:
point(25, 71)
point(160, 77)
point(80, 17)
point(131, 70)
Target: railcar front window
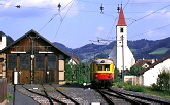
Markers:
point(107, 68)
point(99, 67)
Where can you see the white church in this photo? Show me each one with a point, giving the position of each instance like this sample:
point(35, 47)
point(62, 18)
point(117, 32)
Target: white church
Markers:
point(121, 54)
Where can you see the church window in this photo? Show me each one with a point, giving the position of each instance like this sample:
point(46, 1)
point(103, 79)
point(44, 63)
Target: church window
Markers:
point(121, 29)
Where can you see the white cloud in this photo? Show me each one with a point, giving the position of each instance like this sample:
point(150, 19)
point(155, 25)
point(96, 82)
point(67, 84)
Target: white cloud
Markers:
point(157, 15)
point(143, 1)
point(99, 31)
point(100, 28)
point(152, 34)
point(33, 8)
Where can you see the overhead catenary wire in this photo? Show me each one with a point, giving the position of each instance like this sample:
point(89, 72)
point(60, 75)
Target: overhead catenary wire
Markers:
point(149, 14)
point(63, 19)
point(161, 2)
point(55, 16)
point(150, 30)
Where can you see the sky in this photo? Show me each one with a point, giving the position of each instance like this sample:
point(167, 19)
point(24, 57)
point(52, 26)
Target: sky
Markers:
point(80, 22)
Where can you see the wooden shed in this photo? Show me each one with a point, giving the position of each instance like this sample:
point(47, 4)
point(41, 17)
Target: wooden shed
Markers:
point(35, 59)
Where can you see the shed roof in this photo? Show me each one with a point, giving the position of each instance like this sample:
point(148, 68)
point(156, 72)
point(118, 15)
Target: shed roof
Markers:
point(39, 36)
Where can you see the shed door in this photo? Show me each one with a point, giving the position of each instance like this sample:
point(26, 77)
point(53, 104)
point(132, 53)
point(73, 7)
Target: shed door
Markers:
point(24, 71)
point(39, 68)
point(51, 76)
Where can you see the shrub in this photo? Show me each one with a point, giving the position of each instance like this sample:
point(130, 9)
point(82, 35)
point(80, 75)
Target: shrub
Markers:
point(135, 88)
point(163, 81)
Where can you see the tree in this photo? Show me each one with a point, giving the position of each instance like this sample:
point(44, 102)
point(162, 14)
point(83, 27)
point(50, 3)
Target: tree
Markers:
point(135, 69)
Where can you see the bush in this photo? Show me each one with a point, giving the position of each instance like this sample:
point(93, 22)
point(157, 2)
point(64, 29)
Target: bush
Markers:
point(163, 81)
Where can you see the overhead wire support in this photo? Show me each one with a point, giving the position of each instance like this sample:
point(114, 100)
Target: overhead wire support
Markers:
point(101, 9)
point(18, 6)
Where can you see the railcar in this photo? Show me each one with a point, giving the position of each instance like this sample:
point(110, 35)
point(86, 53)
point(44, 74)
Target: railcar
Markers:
point(102, 72)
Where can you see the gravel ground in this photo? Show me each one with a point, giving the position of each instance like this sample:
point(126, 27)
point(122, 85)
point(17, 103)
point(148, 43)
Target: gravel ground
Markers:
point(20, 99)
point(84, 95)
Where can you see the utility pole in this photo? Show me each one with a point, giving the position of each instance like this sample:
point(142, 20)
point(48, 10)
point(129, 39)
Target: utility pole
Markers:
point(32, 58)
point(122, 61)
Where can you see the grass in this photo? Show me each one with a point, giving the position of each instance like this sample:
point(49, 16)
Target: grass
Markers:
point(146, 90)
point(9, 96)
point(162, 50)
point(163, 94)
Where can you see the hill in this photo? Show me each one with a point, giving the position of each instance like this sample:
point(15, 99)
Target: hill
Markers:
point(143, 48)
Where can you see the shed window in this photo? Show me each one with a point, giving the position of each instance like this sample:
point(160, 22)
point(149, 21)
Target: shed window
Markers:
point(40, 62)
point(51, 62)
point(12, 61)
point(24, 62)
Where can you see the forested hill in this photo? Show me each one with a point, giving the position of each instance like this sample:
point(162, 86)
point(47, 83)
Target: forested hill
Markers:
point(143, 48)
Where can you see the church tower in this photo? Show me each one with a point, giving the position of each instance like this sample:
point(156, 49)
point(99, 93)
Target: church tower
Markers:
point(121, 54)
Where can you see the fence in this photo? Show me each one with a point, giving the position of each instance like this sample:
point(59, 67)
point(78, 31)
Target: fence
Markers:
point(134, 80)
point(3, 89)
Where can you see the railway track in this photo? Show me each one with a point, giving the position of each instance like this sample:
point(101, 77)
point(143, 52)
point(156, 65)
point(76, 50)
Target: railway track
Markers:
point(142, 99)
point(121, 98)
point(47, 94)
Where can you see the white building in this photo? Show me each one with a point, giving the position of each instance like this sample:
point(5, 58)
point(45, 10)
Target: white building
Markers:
point(121, 54)
point(150, 74)
point(3, 40)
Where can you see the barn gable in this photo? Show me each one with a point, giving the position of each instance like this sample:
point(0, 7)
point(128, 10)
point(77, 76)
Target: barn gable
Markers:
point(35, 59)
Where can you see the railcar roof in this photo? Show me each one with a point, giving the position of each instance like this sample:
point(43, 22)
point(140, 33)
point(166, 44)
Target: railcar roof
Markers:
point(102, 61)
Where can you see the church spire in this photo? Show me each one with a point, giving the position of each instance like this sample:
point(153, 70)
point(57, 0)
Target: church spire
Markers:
point(121, 19)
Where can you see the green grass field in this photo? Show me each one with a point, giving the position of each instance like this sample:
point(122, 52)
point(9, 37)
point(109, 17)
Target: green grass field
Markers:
point(162, 50)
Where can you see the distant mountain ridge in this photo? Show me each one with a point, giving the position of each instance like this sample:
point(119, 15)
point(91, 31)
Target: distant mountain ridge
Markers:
point(143, 48)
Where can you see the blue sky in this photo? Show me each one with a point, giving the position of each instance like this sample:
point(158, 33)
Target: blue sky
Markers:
point(79, 21)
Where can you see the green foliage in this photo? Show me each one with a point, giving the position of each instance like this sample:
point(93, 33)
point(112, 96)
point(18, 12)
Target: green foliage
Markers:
point(163, 81)
point(135, 69)
point(69, 72)
point(117, 78)
point(135, 88)
point(77, 74)
point(9, 96)
point(130, 87)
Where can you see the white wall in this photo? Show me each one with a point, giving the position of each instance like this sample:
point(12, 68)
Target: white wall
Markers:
point(151, 75)
point(3, 44)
